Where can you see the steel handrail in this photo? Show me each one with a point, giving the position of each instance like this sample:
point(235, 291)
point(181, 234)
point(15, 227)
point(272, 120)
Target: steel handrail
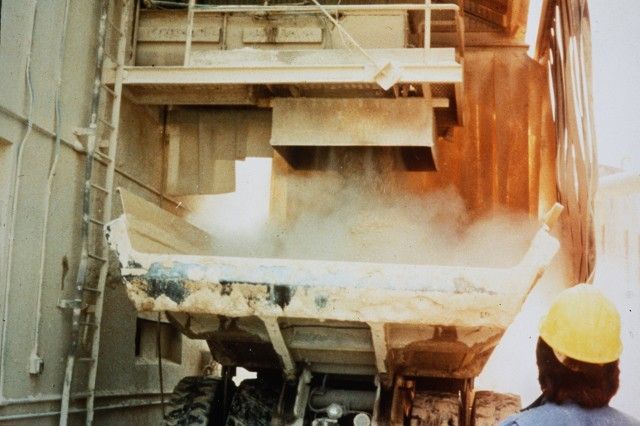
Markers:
point(312, 8)
point(427, 7)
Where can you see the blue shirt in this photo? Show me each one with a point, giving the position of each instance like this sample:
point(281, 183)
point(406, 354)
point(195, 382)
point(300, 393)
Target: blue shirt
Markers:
point(570, 414)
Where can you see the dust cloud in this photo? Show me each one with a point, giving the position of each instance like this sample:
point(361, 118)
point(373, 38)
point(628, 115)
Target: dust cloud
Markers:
point(357, 212)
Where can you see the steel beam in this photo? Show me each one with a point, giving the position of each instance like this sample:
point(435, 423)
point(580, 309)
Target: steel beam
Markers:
point(279, 345)
point(379, 345)
point(318, 74)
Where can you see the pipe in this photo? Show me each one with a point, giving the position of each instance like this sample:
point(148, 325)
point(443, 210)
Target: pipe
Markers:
point(310, 9)
point(127, 404)
point(159, 351)
point(353, 400)
point(187, 49)
point(75, 145)
point(427, 30)
point(136, 25)
point(47, 201)
point(40, 399)
point(16, 191)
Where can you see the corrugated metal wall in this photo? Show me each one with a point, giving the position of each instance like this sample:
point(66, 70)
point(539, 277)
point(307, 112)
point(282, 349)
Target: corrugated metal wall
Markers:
point(504, 154)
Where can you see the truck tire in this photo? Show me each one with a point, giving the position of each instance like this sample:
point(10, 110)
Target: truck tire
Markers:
point(490, 408)
point(192, 401)
point(253, 404)
point(435, 409)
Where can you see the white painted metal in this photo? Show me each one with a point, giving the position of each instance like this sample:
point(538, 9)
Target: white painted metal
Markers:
point(302, 397)
point(379, 345)
point(327, 74)
point(462, 296)
point(332, 8)
point(427, 30)
point(352, 122)
point(187, 50)
point(275, 335)
point(104, 201)
point(316, 67)
point(106, 208)
point(384, 67)
point(375, 416)
point(318, 58)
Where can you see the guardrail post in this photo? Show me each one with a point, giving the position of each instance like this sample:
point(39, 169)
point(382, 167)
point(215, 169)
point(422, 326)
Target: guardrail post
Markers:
point(427, 29)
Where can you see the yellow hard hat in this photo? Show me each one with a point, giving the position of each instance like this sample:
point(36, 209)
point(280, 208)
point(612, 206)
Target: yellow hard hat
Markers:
point(584, 325)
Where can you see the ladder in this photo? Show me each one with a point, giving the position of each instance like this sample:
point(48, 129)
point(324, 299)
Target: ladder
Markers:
point(101, 147)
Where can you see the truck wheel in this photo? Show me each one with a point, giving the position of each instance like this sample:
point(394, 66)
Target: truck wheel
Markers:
point(490, 408)
point(435, 409)
point(253, 404)
point(192, 401)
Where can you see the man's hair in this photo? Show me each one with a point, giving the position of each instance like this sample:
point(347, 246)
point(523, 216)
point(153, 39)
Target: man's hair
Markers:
point(588, 385)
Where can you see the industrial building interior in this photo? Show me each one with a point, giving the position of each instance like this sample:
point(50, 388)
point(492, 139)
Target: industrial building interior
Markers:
point(360, 206)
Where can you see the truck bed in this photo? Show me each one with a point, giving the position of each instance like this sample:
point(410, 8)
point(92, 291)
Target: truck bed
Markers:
point(434, 320)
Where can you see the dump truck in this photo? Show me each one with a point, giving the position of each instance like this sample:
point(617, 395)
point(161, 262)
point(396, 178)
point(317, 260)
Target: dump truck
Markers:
point(397, 101)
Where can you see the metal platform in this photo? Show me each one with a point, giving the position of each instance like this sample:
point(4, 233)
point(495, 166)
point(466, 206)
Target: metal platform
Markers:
point(251, 54)
point(246, 70)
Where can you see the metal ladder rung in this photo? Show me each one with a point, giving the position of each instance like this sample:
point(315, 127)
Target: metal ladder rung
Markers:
point(113, 60)
point(108, 118)
point(96, 221)
point(107, 123)
point(109, 90)
point(96, 257)
point(100, 188)
point(102, 156)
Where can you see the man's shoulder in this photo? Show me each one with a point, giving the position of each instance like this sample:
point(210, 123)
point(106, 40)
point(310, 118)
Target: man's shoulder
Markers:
point(534, 416)
point(570, 414)
point(624, 418)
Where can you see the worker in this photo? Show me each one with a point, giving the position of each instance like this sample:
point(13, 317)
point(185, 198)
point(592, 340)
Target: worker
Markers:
point(577, 356)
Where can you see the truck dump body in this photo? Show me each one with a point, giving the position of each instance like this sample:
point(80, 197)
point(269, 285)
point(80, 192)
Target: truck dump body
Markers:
point(440, 321)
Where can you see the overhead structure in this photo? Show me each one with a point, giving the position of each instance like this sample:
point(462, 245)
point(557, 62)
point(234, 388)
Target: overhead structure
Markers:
point(249, 55)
